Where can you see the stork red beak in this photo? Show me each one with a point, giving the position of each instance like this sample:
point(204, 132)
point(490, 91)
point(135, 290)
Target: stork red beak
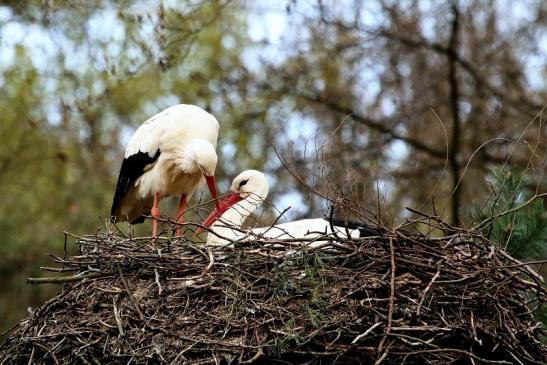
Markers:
point(213, 189)
point(224, 205)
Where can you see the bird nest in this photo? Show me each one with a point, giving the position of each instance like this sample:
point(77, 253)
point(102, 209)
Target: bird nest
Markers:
point(394, 298)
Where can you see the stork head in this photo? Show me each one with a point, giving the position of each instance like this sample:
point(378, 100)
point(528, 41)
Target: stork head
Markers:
point(250, 183)
point(250, 186)
point(202, 155)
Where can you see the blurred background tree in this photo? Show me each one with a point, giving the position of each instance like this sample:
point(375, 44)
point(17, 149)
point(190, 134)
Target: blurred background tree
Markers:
point(394, 103)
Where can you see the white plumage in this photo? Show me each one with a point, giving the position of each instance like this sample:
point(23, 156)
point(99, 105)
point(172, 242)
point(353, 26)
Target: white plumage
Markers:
point(172, 153)
point(247, 192)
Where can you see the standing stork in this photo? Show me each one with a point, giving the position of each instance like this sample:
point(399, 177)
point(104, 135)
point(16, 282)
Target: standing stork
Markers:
point(247, 192)
point(172, 153)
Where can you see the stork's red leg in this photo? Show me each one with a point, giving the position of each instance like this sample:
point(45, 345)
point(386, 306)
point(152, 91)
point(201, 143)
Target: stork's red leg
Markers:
point(155, 214)
point(180, 213)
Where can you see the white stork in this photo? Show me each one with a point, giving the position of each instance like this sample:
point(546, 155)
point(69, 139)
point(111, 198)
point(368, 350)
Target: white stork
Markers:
point(172, 153)
point(247, 192)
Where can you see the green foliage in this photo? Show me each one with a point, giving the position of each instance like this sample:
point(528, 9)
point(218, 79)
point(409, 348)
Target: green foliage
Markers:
point(541, 315)
point(523, 232)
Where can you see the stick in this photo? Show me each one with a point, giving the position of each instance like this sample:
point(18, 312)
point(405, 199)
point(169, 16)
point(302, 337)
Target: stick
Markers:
point(31, 360)
point(359, 337)
point(141, 316)
point(392, 286)
point(68, 279)
point(257, 356)
point(157, 278)
point(211, 260)
point(493, 218)
point(118, 318)
point(391, 300)
point(426, 289)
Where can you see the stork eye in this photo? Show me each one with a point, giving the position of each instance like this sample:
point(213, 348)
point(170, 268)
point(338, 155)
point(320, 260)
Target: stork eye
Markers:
point(243, 182)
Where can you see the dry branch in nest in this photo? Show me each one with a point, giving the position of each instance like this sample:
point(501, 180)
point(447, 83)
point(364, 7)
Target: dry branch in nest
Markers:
point(391, 299)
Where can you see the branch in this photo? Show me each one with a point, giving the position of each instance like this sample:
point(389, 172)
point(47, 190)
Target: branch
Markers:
point(131, 297)
point(391, 298)
point(68, 279)
point(493, 218)
point(456, 121)
point(380, 126)
point(418, 309)
point(523, 105)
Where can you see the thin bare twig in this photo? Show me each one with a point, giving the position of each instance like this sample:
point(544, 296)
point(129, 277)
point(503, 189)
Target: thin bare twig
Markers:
point(131, 297)
point(418, 309)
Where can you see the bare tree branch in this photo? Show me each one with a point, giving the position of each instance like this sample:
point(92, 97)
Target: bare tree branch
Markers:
point(455, 142)
point(521, 104)
point(381, 126)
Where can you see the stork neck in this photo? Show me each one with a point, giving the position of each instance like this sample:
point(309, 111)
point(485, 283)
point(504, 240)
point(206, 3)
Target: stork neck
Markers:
point(229, 224)
point(239, 212)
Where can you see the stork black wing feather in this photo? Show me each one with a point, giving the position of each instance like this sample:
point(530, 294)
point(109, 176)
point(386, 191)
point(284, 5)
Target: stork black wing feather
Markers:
point(140, 219)
point(132, 168)
point(364, 229)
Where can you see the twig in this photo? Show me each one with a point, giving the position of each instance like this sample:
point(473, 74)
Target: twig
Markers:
point(211, 260)
point(509, 211)
point(383, 356)
point(359, 337)
point(118, 318)
point(58, 269)
point(141, 316)
point(68, 279)
point(391, 296)
point(257, 356)
point(426, 289)
point(31, 359)
point(467, 353)
point(528, 269)
point(391, 285)
point(157, 279)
